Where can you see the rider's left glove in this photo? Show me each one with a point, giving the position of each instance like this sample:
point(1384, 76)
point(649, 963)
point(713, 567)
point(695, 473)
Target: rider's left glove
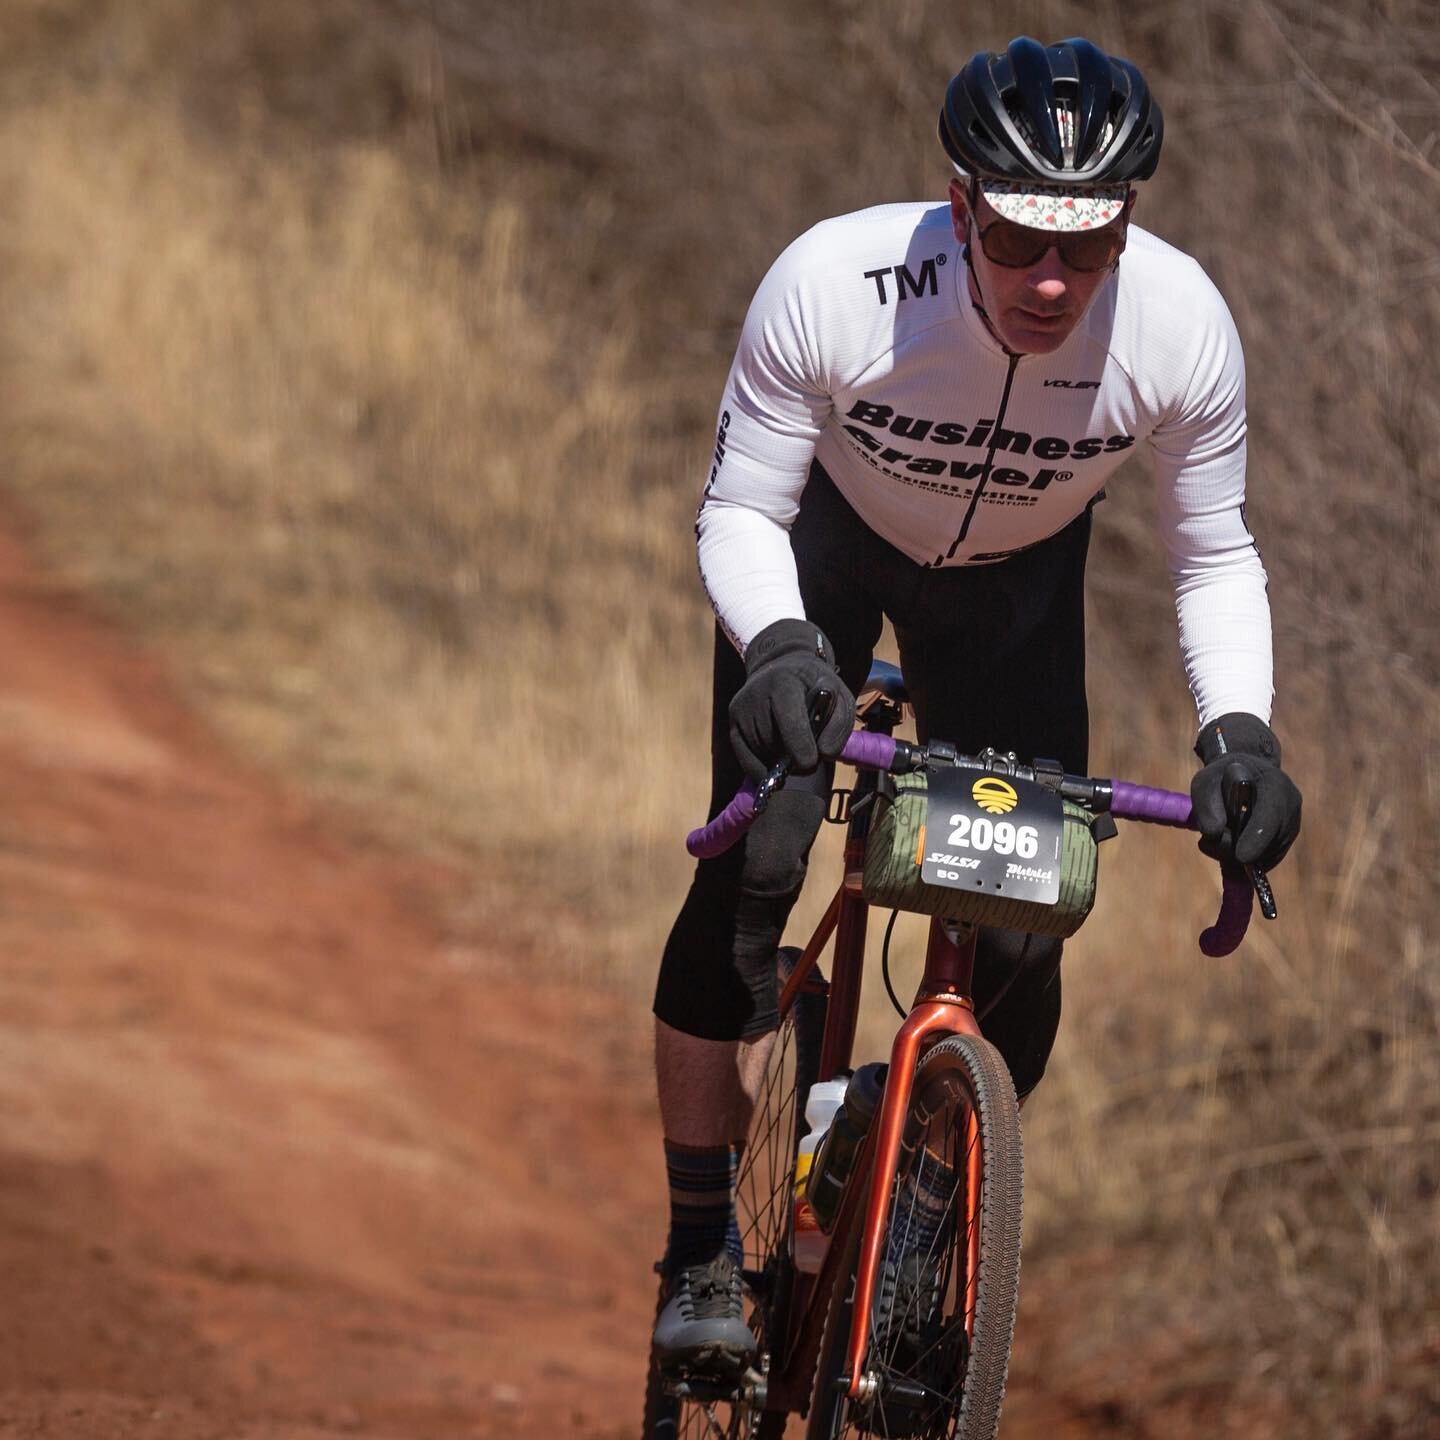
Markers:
point(1241, 746)
point(787, 665)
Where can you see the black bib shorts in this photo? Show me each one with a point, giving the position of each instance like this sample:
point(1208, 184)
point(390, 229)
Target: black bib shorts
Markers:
point(992, 655)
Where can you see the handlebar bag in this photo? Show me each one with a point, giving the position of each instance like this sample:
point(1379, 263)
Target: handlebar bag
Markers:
point(896, 847)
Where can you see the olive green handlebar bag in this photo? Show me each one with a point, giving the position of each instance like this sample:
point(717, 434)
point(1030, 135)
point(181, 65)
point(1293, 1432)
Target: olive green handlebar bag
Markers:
point(893, 881)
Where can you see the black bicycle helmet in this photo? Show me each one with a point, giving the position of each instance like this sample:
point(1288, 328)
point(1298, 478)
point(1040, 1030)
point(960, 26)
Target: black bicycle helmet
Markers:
point(1066, 114)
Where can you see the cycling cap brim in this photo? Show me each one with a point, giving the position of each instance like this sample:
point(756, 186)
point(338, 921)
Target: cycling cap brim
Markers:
point(1044, 207)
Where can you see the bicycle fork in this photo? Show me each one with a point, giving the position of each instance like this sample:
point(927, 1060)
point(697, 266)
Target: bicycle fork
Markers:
point(942, 1006)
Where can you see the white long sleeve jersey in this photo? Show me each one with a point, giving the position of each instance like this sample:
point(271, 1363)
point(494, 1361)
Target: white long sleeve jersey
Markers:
point(863, 349)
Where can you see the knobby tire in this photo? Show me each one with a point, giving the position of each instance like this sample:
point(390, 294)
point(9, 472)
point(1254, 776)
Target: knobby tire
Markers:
point(917, 1321)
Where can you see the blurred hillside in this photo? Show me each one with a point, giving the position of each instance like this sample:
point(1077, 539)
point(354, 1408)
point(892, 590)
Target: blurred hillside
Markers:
point(365, 353)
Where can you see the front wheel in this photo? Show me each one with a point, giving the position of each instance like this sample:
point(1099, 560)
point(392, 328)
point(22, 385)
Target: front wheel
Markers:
point(943, 1316)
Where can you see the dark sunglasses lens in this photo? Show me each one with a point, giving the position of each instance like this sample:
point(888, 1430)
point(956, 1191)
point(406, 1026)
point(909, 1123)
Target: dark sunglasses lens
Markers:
point(1090, 249)
point(1019, 246)
point(1014, 245)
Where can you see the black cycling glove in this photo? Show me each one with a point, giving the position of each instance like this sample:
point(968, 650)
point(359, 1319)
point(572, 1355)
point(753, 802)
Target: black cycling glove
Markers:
point(786, 666)
point(1243, 747)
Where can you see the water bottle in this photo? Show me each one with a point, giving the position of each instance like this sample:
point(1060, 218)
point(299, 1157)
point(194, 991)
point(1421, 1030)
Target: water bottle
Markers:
point(808, 1241)
point(835, 1158)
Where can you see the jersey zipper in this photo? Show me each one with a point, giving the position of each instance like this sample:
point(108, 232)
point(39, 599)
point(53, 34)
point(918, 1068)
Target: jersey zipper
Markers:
point(989, 465)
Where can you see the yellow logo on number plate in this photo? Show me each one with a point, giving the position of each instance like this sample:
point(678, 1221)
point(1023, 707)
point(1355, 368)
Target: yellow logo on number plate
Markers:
point(994, 796)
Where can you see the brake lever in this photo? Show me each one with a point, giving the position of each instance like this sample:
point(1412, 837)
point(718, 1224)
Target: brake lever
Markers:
point(1263, 893)
point(775, 780)
point(779, 772)
point(1239, 795)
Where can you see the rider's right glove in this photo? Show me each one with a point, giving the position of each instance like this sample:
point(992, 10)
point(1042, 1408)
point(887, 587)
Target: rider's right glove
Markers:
point(1243, 747)
point(787, 665)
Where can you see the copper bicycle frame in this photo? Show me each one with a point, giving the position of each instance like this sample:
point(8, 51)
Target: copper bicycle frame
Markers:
point(942, 1006)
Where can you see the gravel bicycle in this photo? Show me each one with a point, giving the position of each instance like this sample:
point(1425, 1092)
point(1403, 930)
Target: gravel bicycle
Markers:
point(906, 1326)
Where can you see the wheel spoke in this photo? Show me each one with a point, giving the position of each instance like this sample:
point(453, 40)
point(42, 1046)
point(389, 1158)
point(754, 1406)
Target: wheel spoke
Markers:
point(762, 1192)
point(933, 1330)
point(764, 1171)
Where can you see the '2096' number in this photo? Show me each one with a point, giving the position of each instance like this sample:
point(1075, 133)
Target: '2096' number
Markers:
point(998, 835)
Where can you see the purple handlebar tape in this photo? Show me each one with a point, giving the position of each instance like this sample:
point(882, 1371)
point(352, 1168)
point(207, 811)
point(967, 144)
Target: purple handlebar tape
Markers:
point(1129, 802)
point(1236, 904)
point(1140, 802)
point(874, 752)
point(726, 828)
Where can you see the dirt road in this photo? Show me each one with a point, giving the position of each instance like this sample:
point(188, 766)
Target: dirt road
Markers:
point(261, 1119)
point(279, 1156)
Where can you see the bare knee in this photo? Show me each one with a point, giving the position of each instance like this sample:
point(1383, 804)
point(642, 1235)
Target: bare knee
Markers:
point(707, 1088)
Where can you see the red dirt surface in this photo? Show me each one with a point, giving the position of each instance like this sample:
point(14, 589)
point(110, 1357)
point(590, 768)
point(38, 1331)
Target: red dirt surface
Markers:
point(280, 1155)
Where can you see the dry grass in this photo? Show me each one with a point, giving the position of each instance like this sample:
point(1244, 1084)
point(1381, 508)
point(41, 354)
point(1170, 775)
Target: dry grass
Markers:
point(349, 455)
point(366, 353)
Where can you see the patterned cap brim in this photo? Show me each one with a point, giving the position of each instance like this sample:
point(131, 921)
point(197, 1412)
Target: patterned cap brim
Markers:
point(1044, 208)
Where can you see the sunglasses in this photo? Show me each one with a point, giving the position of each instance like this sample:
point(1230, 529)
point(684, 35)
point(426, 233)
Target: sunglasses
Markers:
point(1018, 246)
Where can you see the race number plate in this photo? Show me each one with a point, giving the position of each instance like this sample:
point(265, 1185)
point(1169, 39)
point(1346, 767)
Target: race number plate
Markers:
point(992, 833)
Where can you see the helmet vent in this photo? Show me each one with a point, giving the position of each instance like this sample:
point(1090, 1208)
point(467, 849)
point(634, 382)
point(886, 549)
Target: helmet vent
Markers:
point(1024, 124)
point(1065, 124)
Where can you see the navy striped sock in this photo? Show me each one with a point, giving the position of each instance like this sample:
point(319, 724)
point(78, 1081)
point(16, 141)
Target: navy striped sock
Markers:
point(702, 1203)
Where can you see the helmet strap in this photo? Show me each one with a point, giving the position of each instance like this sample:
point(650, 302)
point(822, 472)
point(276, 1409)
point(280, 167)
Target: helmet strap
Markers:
point(978, 298)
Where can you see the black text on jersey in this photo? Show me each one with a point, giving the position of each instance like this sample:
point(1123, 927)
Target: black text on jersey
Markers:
point(906, 284)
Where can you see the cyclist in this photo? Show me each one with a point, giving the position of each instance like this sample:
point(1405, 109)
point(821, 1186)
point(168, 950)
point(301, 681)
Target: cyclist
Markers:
point(926, 403)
